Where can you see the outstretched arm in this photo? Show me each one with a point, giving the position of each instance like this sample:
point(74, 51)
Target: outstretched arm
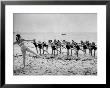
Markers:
point(28, 40)
point(15, 42)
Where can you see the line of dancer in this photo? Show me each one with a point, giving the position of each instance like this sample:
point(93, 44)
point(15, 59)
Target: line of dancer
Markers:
point(56, 46)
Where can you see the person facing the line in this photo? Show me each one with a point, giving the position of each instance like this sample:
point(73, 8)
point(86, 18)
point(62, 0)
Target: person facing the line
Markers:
point(24, 48)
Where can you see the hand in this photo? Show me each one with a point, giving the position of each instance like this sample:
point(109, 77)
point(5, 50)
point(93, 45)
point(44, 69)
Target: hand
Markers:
point(33, 39)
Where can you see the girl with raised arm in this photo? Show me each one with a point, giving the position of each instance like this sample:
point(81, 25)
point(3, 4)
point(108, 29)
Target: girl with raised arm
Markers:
point(35, 44)
point(20, 42)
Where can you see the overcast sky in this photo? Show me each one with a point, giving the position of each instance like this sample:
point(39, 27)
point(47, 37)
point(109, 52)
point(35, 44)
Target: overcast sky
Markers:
point(55, 23)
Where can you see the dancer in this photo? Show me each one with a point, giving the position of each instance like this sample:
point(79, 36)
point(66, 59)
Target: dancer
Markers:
point(94, 47)
point(40, 46)
point(53, 46)
point(20, 42)
point(44, 45)
point(77, 49)
point(68, 47)
point(83, 44)
point(35, 44)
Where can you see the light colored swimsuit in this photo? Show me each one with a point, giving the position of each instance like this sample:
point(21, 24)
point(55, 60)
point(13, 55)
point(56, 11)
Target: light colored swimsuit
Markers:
point(21, 44)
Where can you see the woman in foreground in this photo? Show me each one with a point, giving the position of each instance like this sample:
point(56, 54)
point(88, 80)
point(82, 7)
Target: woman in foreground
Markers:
point(20, 42)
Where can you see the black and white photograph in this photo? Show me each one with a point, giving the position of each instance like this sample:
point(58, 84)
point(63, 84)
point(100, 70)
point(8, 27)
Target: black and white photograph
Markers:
point(55, 44)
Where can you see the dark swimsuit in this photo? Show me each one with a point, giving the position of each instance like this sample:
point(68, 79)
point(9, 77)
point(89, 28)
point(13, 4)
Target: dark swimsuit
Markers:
point(84, 46)
point(53, 47)
point(94, 47)
point(40, 46)
point(68, 46)
point(77, 47)
point(35, 44)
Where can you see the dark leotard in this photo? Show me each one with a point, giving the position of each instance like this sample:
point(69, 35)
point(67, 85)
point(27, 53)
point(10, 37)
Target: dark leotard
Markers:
point(94, 47)
point(35, 44)
point(40, 46)
point(84, 46)
point(77, 47)
point(68, 46)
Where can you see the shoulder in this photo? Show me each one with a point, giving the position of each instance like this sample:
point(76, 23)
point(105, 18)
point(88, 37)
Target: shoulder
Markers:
point(22, 40)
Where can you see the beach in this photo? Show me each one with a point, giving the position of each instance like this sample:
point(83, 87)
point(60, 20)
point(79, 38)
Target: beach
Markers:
point(60, 64)
point(48, 64)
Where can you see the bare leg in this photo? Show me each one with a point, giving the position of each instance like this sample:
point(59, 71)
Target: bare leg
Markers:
point(91, 52)
point(52, 51)
point(24, 57)
point(67, 52)
point(60, 49)
point(47, 48)
point(94, 53)
point(71, 52)
point(84, 51)
point(28, 50)
point(36, 50)
point(43, 50)
point(57, 51)
point(77, 53)
point(40, 51)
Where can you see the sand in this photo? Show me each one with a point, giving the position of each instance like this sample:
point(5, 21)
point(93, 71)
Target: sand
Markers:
point(56, 65)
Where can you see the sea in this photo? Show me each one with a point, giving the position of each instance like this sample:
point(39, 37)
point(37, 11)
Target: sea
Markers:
point(76, 36)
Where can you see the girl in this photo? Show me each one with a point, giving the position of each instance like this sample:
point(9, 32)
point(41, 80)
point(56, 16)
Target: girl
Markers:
point(77, 49)
point(68, 47)
point(35, 44)
point(20, 42)
point(94, 47)
point(44, 45)
point(53, 46)
point(40, 46)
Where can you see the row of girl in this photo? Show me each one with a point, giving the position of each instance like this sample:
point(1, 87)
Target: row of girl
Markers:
point(56, 46)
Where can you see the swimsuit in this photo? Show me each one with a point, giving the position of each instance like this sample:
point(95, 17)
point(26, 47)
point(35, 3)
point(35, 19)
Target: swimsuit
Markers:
point(35, 44)
point(68, 46)
point(21, 44)
point(77, 47)
point(23, 47)
point(40, 46)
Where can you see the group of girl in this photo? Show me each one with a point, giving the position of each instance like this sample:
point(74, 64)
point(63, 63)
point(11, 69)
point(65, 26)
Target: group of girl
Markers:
point(55, 46)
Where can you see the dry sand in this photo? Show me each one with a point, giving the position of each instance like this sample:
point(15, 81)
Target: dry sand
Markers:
point(58, 65)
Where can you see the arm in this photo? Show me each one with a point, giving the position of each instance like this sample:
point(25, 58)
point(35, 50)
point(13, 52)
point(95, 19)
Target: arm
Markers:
point(25, 40)
point(15, 42)
point(28, 40)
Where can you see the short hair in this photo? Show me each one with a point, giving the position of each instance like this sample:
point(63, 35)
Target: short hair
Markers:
point(18, 35)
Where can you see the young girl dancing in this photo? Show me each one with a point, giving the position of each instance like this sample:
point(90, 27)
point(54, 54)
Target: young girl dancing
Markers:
point(20, 42)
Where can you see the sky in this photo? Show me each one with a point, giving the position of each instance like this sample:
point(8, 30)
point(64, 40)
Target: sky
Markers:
point(58, 22)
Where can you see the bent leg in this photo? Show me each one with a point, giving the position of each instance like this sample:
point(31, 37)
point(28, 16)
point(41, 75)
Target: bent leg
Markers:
point(28, 50)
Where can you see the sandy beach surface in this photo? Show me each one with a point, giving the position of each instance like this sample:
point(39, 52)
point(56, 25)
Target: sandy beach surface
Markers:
point(56, 65)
